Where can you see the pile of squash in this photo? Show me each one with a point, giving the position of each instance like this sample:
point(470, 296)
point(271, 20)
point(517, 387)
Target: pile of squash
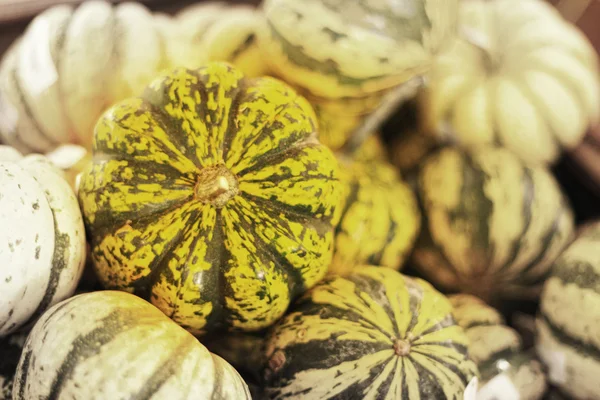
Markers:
point(233, 202)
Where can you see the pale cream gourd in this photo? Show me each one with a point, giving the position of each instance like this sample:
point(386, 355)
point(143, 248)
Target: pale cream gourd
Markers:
point(518, 76)
point(42, 238)
point(69, 66)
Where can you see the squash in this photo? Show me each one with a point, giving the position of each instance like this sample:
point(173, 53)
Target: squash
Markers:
point(10, 349)
point(111, 344)
point(372, 334)
point(345, 57)
point(568, 323)
point(215, 31)
point(380, 218)
point(71, 64)
point(518, 76)
point(211, 196)
point(42, 240)
point(493, 224)
point(507, 371)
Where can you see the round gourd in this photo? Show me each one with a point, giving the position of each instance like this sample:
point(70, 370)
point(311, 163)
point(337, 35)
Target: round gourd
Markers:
point(380, 218)
point(69, 66)
point(337, 49)
point(211, 196)
point(111, 344)
point(518, 76)
point(42, 238)
point(493, 224)
point(568, 323)
point(215, 31)
point(10, 349)
point(507, 372)
point(373, 334)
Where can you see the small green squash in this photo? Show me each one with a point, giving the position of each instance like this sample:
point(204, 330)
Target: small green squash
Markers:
point(114, 345)
point(372, 334)
point(507, 372)
point(568, 323)
point(211, 197)
point(493, 224)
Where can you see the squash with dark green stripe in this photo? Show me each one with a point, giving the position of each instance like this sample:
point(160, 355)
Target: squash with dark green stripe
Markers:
point(214, 31)
point(374, 334)
point(507, 371)
point(70, 64)
point(211, 196)
point(114, 345)
point(493, 224)
point(568, 323)
point(380, 219)
point(42, 238)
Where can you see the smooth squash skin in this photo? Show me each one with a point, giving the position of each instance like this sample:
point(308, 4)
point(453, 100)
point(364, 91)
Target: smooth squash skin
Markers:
point(114, 345)
point(375, 334)
point(211, 196)
point(493, 225)
point(568, 322)
point(380, 219)
point(506, 370)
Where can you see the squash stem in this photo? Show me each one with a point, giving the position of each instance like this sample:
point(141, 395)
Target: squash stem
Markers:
point(372, 122)
point(216, 185)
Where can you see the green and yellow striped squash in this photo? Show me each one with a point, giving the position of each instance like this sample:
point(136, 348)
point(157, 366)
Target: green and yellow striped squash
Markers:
point(69, 66)
point(11, 348)
point(518, 75)
point(380, 218)
point(568, 323)
point(507, 371)
point(493, 225)
point(214, 31)
point(114, 345)
point(211, 196)
point(337, 49)
point(372, 334)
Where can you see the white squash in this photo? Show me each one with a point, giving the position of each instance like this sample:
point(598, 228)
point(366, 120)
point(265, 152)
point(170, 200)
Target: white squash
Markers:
point(69, 66)
point(42, 238)
point(518, 76)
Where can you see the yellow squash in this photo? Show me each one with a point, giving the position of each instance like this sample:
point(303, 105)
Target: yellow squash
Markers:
point(211, 196)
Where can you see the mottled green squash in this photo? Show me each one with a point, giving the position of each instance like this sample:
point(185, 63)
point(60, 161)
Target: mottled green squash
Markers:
point(114, 345)
point(211, 196)
point(507, 371)
point(493, 225)
point(375, 334)
point(380, 218)
point(568, 323)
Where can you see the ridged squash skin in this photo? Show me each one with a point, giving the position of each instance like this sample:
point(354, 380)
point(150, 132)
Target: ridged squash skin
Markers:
point(373, 334)
point(211, 196)
point(214, 31)
point(42, 250)
point(69, 66)
point(493, 225)
point(114, 345)
point(506, 371)
point(518, 76)
point(380, 218)
point(568, 323)
point(342, 49)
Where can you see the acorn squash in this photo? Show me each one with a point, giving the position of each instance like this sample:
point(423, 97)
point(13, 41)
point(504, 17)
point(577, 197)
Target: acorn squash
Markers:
point(69, 66)
point(372, 334)
point(380, 218)
point(507, 372)
point(568, 323)
point(519, 76)
point(42, 238)
point(212, 197)
point(214, 31)
point(493, 224)
point(114, 345)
